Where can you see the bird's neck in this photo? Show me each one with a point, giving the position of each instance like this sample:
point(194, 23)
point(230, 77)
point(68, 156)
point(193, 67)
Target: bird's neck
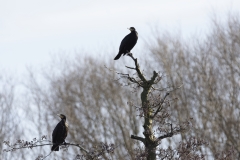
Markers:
point(134, 32)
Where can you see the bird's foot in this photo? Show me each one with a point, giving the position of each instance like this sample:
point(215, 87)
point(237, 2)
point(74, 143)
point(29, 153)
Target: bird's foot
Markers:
point(64, 143)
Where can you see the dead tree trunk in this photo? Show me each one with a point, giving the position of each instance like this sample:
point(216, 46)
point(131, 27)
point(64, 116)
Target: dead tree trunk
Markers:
point(149, 140)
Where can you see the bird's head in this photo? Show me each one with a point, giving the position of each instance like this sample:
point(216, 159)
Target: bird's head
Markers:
point(132, 29)
point(62, 116)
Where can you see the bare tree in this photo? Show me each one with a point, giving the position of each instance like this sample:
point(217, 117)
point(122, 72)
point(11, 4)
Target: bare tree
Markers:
point(9, 124)
point(157, 125)
point(209, 70)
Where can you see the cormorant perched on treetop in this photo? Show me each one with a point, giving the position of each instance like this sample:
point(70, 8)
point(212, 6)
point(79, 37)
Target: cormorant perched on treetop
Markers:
point(59, 133)
point(127, 43)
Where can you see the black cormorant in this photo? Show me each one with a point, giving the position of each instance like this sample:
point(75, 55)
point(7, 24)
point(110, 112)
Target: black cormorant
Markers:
point(59, 133)
point(127, 43)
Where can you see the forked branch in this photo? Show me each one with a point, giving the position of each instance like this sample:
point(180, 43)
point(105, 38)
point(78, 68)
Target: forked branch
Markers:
point(137, 68)
point(170, 134)
point(160, 105)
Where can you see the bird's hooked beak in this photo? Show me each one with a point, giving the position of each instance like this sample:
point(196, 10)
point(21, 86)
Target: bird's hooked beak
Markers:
point(59, 115)
point(129, 29)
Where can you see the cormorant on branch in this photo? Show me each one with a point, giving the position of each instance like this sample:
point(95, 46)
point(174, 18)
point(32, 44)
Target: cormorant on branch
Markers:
point(127, 43)
point(59, 133)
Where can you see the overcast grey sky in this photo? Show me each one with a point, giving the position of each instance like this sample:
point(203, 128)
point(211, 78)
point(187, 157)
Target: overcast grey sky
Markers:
point(32, 29)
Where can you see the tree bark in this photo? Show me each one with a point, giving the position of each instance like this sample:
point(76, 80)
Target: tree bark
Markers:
point(149, 140)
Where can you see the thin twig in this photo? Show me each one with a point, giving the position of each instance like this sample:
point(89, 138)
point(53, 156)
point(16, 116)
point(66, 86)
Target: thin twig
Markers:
point(47, 155)
point(130, 68)
point(176, 88)
point(32, 146)
point(160, 105)
point(160, 89)
point(167, 135)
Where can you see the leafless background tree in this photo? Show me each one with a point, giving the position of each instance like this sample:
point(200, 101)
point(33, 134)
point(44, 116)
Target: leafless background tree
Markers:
point(93, 101)
point(9, 113)
point(209, 69)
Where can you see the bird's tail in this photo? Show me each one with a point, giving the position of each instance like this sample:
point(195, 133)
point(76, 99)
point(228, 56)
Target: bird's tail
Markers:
point(55, 147)
point(118, 56)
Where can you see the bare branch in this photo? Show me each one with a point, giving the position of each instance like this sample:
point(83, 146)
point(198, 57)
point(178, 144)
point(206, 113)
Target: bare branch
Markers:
point(160, 105)
point(138, 138)
point(35, 145)
point(141, 76)
point(155, 74)
point(130, 67)
point(170, 134)
point(176, 88)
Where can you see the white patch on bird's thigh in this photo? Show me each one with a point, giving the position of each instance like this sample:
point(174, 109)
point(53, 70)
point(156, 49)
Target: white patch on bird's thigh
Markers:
point(66, 124)
point(129, 54)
